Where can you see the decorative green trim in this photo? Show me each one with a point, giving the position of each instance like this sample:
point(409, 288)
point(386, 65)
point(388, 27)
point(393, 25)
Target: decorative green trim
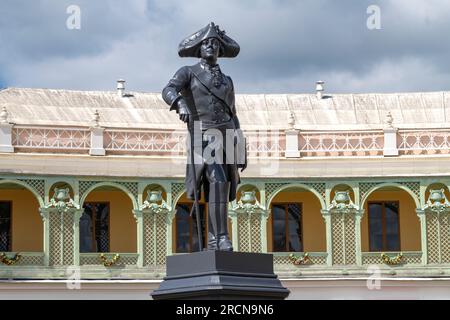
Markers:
point(61, 259)
point(232, 215)
point(138, 215)
point(358, 218)
point(264, 220)
point(76, 236)
point(176, 190)
point(36, 184)
point(86, 187)
point(414, 187)
point(405, 186)
point(329, 236)
point(46, 220)
point(317, 188)
point(24, 183)
point(423, 235)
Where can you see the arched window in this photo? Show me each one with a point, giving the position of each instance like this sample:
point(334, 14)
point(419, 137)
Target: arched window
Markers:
point(296, 223)
point(391, 222)
point(287, 227)
point(21, 225)
point(384, 226)
point(107, 223)
point(94, 227)
point(5, 225)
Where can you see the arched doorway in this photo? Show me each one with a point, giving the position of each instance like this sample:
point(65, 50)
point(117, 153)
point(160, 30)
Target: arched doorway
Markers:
point(107, 223)
point(21, 225)
point(390, 221)
point(295, 221)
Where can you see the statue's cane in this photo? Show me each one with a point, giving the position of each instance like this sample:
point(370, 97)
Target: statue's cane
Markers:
point(196, 207)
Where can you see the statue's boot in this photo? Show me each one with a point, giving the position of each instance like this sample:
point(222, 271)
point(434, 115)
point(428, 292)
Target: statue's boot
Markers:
point(212, 240)
point(218, 216)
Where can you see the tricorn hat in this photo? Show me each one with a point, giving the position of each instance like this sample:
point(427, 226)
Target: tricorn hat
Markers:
point(190, 47)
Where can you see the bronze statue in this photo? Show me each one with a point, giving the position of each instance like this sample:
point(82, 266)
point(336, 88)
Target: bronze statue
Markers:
point(203, 96)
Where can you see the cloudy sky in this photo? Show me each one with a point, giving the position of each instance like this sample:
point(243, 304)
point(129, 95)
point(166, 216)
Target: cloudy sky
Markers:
point(285, 45)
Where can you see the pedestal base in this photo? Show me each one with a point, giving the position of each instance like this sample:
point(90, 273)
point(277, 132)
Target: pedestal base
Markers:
point(220, 275)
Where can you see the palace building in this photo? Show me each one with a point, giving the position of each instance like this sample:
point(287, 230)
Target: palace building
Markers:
point(350, 192)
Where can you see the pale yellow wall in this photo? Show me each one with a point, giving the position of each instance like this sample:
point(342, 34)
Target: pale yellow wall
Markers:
point(123, 228)
point(27, 225)
point(409, 222)
point(314, 234)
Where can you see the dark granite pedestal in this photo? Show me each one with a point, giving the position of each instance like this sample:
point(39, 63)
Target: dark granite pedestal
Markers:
point(219, 275)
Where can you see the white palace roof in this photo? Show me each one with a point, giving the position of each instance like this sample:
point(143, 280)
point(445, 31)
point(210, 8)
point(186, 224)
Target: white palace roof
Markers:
point(256, 111)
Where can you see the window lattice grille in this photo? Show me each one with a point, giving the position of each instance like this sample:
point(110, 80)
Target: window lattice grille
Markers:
point(438, 237)
point(344, 238)
point(155, 239)
point(271, 188)
point(55, 238)
point(68, 242)
point(177, 189)
point(249, 231)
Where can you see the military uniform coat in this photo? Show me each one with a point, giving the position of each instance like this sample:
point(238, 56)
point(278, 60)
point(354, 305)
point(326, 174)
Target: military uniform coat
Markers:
point(195, 85)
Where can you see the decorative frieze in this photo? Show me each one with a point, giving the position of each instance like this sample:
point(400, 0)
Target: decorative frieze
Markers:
point(35, 138)
point(97, 140)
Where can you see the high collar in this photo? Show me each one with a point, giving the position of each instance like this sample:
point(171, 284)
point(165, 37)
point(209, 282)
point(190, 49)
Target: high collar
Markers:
point(206, 66)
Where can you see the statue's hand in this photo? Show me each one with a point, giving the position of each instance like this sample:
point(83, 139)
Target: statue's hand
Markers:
point(183, 111)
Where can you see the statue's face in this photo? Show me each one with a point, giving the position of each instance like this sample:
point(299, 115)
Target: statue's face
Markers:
point(210, 49)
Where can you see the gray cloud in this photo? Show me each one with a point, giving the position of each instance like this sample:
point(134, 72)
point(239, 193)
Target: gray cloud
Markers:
point(285, 45)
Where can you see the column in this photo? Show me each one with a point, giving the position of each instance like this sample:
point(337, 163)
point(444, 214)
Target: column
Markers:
point(344, 237)
point(358, 217)
point(423, 235)
point(329, 234)
point(247, 217)
point(61, 236)
point(153, 220)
